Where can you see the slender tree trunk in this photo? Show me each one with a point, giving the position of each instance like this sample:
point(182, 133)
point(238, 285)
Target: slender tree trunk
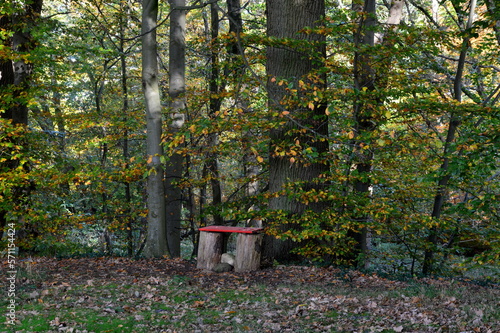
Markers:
point(191, 208)
point(124, 12)
point(370, 75)
point(177, 89)
point(251, 168)
point(285, 19)
point(107, 246)
point(365, 119)
point(454, 123)
point(203, 197)
point(215, 88)
point(156, 244)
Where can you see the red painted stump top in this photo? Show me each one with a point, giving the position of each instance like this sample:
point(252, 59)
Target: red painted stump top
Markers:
point(241, 230)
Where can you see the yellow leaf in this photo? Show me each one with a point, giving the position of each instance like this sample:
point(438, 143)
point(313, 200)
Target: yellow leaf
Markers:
point(260, 159)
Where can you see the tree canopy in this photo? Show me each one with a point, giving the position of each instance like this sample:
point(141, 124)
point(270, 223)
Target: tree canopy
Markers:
point(366, 133)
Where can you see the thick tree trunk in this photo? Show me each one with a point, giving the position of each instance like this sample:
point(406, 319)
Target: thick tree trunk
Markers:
point(285, 20)
point(6, 82)
point(177, 89)
point(235, 24)
point(14, 77)
point(156, 244)
point(16, 73)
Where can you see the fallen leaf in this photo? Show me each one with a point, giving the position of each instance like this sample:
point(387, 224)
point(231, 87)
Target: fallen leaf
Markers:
point(198, 304)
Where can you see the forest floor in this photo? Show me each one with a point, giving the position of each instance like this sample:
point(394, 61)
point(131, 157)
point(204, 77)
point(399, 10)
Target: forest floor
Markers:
point(162, 295)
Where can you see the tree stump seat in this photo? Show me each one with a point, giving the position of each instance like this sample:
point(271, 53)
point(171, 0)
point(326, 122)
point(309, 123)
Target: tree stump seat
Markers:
point(248, 247)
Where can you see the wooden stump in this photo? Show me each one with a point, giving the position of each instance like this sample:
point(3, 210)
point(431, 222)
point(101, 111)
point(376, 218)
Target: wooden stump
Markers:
point(248, 251)
point(210, 249)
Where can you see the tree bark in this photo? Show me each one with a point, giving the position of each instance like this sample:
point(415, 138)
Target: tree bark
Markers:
point(248, 252)
point(156, 244)
point(365, 121)
point(285, 19)
point(251, 168)
point(177, 88)
point(215, 102)
point(124, 13)
point(210, 249)
point(15, 76)
point(370, 75)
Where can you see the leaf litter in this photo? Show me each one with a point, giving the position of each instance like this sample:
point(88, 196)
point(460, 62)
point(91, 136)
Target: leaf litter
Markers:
point(171, 295)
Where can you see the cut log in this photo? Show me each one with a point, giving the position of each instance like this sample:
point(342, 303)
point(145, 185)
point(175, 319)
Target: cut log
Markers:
point(210, 249)
point(248, 252)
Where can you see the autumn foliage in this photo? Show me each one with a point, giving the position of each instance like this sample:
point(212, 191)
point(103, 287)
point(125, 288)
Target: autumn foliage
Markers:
point(83, 158)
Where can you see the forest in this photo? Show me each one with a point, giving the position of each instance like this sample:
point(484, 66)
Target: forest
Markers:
point(358, 133)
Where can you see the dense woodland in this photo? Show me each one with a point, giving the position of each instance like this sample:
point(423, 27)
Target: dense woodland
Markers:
point(361, 133)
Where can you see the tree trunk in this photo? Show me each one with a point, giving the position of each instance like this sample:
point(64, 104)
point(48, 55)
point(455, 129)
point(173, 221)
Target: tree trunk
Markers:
point(370, 75)
point(493, 10)
point(177, 89)
point(365, 120)
point(284, 20)
point(251, 168)
point(6, 82)
point(235, 24)
point(14, 76)
point(215, 103)
point(124, 12)
point(156, 244)
point(442, 185)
